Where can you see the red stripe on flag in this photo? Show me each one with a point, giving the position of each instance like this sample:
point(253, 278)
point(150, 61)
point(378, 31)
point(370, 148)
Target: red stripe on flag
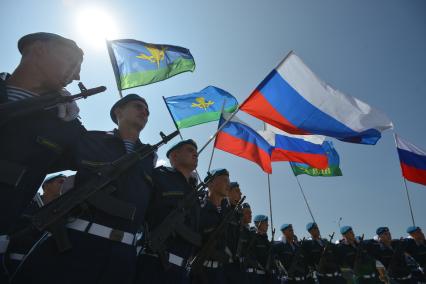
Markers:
point(258, 106)
point(314, 160)
point(414, 174)
point(244, 149)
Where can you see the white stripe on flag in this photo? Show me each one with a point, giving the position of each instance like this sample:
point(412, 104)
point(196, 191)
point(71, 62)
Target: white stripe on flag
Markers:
point(405, 145)
point(346, 109)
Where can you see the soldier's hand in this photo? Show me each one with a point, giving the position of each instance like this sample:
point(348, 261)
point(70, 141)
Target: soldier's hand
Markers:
point(68, 111)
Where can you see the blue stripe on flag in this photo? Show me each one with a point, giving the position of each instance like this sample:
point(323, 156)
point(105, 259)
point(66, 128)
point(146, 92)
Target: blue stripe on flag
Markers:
point(301, 113)
point(412, 159)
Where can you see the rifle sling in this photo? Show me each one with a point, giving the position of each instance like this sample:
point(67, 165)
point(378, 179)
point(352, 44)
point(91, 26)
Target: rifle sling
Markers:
point(111, 205)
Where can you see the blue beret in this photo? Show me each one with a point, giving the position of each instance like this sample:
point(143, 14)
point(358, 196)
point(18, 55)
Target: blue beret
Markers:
point(381, 230)
point(245, 205)
point(53, 177)
point(285, 226)
point(234, 184)
point(30, 38)
point(124, 100)
point(216, 173)
point(345, 229)
point(260, 218)
point(180, 144)
point(311, 225)
point(412, 229)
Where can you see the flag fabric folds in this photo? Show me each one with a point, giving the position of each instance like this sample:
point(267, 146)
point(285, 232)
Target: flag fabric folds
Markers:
point(333, 168)
point(295, 100)
point(201, 107)
point(239, 139)
point(295, 148)
point(412, 160)
point(136, 63)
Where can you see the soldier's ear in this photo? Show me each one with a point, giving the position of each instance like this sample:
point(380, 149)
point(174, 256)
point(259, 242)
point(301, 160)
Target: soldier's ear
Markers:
point(36, 48)
point(117, 112)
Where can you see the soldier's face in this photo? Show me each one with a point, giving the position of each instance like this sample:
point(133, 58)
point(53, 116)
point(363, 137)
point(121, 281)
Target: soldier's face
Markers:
point(385, 237)
point(220, 185)
point(246, 216)
point(234, 195)
point(350, 236)
point(186, 156)
point(59, 65)
point(134, 113)
point(315, 233)
point(418, 235)
point(263, 227)
point(289, 233)
point(52, 189)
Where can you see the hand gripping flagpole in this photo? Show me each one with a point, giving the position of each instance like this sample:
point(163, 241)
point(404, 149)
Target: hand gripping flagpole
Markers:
point(406, 188)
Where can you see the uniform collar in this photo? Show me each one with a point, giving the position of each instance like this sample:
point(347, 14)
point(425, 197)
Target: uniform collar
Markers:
point(3, 94)
point(115, 134)
point(4, 76)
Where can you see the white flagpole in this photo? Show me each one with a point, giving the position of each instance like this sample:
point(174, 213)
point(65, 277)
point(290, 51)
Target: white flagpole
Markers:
point(211, 156)
point(306, 201)
point(270, 197)
point(406, 188)
point(409, 202)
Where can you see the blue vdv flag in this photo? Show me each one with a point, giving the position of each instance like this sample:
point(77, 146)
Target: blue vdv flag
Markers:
point(136, 63)
point(201, 107)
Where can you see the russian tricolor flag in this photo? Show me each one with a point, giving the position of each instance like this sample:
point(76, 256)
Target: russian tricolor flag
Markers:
point(413, 161)
point(305, 149)
point(239, 139)
point(295, 100)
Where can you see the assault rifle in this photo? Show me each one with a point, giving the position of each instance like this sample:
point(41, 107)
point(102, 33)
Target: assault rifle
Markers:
point(95, 192)
point(295, 262)
point(326, 261)
point(16, 109)
point(207, 250)
point(174, 223)
point(244, 253)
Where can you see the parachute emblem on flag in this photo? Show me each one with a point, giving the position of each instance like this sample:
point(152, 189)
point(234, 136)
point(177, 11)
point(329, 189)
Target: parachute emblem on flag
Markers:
point(156, 55)
point(201, 103)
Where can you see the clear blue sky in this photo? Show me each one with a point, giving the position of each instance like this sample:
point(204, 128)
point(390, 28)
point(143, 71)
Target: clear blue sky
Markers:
point(373, 50)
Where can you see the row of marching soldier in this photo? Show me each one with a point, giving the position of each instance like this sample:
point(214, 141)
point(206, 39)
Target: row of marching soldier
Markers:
point(120, 219)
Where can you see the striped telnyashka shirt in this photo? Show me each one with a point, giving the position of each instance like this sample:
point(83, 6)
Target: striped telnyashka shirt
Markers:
point(16, 94)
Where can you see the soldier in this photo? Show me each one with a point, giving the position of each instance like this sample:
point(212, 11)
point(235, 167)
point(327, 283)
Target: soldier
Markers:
point(52, 188)
point(213, 210)
point(21, 244)
point(292, 256)
point(321, 256)
point(171, 185)
point(232, 270)
point(356, 262)
point(103, 241)
point(40, 143)
point(245, 242)
point(261, 252)
point(390, 257)
point(416, 248)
